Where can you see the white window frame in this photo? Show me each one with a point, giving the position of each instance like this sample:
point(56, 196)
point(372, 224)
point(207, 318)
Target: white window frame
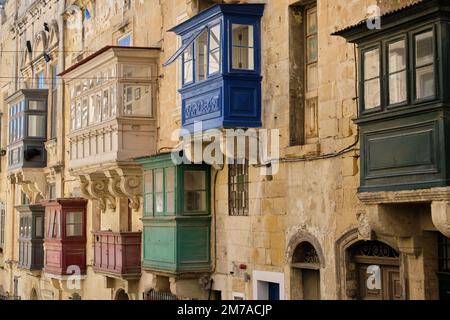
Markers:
point(261, 277)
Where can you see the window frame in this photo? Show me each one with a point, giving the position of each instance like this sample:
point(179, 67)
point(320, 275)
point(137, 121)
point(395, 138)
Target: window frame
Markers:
point(383, 45)
point(239, 211)
point(256, 45)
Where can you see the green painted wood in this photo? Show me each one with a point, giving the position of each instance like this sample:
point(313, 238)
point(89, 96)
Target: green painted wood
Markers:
point(179, 242)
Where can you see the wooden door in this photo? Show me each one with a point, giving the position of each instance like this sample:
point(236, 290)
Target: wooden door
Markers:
point(379, 282)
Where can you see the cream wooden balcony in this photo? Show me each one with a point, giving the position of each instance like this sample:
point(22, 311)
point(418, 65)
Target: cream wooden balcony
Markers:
point(112, 106)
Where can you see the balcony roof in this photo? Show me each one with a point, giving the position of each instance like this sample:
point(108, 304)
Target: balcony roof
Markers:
point(100, 52)
point(411, 12)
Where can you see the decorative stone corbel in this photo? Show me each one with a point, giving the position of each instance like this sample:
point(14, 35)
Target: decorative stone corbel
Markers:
point(95, 187)
point(440, 215)
point(33, 184)
point(365, 231)
point(127, 181)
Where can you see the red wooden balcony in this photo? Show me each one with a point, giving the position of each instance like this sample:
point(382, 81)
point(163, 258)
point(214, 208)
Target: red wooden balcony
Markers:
point(117, 253)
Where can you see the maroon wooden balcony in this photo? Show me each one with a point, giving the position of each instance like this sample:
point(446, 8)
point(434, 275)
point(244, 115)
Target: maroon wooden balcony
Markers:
point(117, 253)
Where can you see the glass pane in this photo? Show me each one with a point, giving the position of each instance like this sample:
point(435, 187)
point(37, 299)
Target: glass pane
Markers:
point(214, 37)
point(136, 71)
point(243, 43)
point(36, 125)
point(425, 82)
point(74, 217)
point(188, 65)
point(371, 64)
point(84, 112)
point(113, 101)
point(214, 61)
point(137, 100)
point(125, 41)
point(92, 115)
point(170, 179)
point(148, 182)
point(312, 74)
point(372, 93)
point(311, 49)
point(39, 226)
point(74, 230)
point(159, 202)
point(78, 115)
point(194, 180)
point(424, 48)
point(149, 203)
point(194, 201)
point(36, 105)
point(311, 21)
point(201, 47)
point(170, 202)
point(105, 105)
point(397, 87)
point(98, 107)
point(397, 56)
point(159, 186)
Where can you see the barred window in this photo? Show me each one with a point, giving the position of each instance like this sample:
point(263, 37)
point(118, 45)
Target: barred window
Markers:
point(238, 189)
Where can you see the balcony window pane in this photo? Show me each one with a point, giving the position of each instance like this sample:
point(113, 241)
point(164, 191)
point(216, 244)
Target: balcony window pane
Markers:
point(36, 105)
point(372, 93)
point(148, 191)
point(98, 107)
point(84, 113)
point(312, 77)
point(39, 226)
point(424, 73)
point(201, 47)
point(397, 72)
point(170, 190)
point(72, 116)
point(137, 100)
point(188, 65)
point(113, 101)
point(78, 115)
point(425, 82)
point(397, 87)
point(159, 191)
point(424, 48)
point(40, 80)
point(214, 49)
point(372, 85)
point(36, 125)
point(136, 71)
point(92, 109)
point(74, 224)
point(194, 191)
point(243, 47)
point(105, 105)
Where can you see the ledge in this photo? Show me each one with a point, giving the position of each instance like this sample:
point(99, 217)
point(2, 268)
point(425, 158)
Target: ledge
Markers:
point(417, 195)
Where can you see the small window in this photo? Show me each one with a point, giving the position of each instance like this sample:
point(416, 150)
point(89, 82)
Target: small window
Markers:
point(125, 41)
point(194, 191)
point(424, 64)
point(238, 201)
point(243, 47)
point(397, 72)
point(74, 224)
point(214, 50)
point(372, 83)
point(188, 65)
point(36, 125)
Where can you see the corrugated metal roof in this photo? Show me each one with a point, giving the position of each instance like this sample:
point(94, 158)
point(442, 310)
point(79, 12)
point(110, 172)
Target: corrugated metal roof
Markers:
point(386, 14)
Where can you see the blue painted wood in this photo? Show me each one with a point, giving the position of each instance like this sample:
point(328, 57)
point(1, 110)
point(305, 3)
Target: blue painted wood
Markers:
point(230, 98)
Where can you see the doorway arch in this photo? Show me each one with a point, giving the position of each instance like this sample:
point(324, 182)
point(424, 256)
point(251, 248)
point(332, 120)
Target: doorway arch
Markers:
point(122, 295)
point(306, 260)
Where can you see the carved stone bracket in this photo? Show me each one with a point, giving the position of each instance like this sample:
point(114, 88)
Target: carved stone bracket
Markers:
point(365, 231)
point(32, 182)
point(112, 183)
point(440, 215)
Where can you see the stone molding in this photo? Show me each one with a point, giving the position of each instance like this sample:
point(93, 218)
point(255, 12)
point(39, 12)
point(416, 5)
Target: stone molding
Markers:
point(33, 183)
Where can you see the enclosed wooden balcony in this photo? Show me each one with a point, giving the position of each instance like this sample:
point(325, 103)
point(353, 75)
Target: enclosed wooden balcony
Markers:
point(117, 253)
point(112, 97)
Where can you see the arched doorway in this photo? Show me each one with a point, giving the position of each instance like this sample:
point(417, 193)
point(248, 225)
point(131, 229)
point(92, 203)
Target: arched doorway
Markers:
point(122, 295)
point(305, 272)
point(376, 271)
point(33, 295)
